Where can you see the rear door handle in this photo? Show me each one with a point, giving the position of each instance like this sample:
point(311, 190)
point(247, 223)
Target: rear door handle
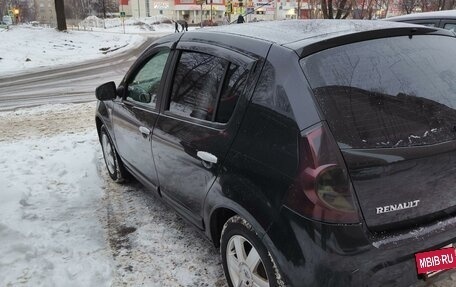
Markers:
point(145, 131)
point(207, 157)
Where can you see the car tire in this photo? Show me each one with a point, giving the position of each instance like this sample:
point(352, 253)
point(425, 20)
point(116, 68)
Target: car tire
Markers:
point(114, 164)
point(245, 259)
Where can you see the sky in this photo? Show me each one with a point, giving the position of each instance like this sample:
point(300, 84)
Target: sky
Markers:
point(63, 222)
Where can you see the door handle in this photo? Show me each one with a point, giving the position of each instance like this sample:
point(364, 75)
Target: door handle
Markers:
point(207, 157)
point(145, 131)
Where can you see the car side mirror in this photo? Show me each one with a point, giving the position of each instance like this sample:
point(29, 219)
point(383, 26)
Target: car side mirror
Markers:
point(107, 91)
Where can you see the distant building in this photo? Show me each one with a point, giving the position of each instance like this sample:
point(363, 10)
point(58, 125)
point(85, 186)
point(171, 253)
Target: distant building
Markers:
point(147, 8)
point(45, 12)
point(190, 11)
point(187, 10)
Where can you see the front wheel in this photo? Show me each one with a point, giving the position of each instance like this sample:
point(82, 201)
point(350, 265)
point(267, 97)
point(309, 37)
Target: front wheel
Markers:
point(246, 262)
point(113, 163)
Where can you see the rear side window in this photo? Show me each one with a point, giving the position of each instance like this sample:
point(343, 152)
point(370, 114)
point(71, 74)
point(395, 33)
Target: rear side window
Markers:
point(424, 23)
point(391, 92)
point(450, 26)
point(206, 87)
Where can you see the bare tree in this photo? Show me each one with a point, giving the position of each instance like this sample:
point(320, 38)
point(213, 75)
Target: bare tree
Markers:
point(27, 11)
point(3, 8)
point(364, 9)
point(409, 5)
point(80, 9)
point(336, 9)
point(367, 9)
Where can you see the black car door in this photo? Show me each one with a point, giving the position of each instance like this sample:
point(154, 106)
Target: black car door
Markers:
point(198, 123)
point(136, 113)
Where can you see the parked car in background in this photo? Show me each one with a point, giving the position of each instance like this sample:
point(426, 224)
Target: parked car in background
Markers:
point(7, 20)
point(440, 19)
point(312, 152)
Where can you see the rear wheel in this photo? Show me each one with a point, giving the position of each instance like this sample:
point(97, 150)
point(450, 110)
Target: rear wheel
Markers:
point(246, 262)
point(113, 163)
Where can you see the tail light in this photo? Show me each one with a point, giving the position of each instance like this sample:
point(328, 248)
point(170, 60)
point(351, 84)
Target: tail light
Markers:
point(322, 189)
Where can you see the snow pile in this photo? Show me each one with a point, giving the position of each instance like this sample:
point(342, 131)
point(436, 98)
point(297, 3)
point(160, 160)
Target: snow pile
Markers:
point(95, 22)
point(161, 24)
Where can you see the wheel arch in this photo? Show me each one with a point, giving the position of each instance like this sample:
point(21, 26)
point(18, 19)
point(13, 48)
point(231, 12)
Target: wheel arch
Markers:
point(220, 208)
point(217, 220)
point(98, 123)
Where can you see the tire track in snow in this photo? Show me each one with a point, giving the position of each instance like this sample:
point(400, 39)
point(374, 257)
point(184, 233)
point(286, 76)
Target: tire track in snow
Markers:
point(151, 245)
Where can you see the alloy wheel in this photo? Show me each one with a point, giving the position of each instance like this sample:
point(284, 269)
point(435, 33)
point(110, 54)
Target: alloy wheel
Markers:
point(245, 266)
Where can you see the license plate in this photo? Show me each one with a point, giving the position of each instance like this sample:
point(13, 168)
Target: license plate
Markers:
point(431, 263)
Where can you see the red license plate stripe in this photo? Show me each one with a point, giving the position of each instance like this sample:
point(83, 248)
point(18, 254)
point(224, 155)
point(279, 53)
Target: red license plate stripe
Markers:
point(435, 260)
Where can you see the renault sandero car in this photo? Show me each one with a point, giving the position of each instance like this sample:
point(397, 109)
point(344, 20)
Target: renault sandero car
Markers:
point(312, 152)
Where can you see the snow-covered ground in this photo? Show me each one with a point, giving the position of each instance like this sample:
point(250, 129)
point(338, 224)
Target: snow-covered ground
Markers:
point(25, 48)
point(64, 223)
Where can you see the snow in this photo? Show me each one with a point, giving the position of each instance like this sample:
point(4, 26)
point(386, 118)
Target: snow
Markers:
point(49, 230)
point(25, 48)
point(63, 222)
point(147, 25)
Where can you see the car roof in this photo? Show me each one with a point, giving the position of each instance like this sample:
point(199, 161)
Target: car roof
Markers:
point(308, 36)
point(289, 31)
point(446, 14)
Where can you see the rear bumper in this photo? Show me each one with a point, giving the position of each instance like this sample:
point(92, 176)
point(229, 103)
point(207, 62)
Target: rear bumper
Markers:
point(317, 254)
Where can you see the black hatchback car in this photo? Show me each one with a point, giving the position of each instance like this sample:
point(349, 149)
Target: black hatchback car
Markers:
point(314, 153)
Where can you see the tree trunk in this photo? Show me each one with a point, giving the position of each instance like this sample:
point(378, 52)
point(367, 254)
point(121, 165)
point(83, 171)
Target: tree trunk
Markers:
point(60, 13)
point(349, 9)
point(339, 9)
point(324, 8)
point(363, 6)
point(330, 9)
point(387, 8)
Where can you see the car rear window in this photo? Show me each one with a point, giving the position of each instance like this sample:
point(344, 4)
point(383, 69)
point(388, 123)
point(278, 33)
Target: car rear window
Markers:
point(391, 92)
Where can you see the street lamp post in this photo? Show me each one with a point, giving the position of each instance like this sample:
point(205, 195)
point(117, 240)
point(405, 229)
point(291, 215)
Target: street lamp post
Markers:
point(16, 15)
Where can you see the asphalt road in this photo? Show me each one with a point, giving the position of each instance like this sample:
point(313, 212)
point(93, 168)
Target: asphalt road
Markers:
point(69, 84)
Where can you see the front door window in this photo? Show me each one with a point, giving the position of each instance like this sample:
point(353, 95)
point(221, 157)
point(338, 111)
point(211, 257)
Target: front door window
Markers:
point(144, 86)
